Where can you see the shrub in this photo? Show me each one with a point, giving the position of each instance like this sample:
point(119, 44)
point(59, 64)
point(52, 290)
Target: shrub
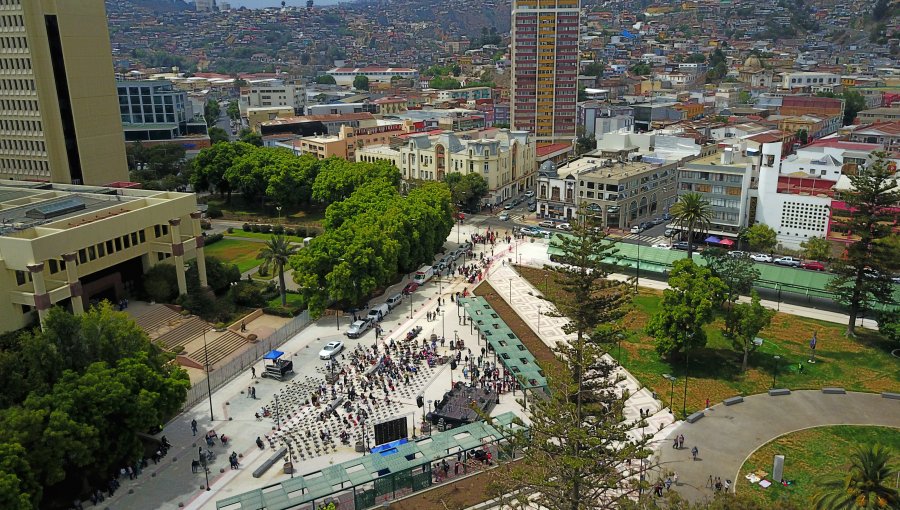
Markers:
point(178, 349)
point(230, 230)
point(265, 229)
point(281, 311)
point(289, 231)
point(205, 224)
point(246, 227)
point(301, 231)
point(254, 227)
point(213, 211)
point(213, 238)
point(278, 229)
point(247, 294)
point(160, 283)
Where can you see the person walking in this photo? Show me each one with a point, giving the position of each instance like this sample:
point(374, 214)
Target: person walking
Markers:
point(253, 372)
point(675, 478)
point(694, 452)
point(194, 426)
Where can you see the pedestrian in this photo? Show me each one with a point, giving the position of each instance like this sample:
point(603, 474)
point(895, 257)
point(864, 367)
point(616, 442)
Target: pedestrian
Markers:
point(243, 326)
point(194, 426)
point(675, 443)
point(675, 478)
point(680, 441)
point(254, 392)
point(694, 452)
point(709, 482)
point(249, 391)
point(668, 483)
point(707, 402)
point(253, 372)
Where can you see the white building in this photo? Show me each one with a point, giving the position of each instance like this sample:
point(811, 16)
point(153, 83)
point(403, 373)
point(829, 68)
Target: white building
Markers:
point(808, 79)
point(344, 76)
point(272, 92)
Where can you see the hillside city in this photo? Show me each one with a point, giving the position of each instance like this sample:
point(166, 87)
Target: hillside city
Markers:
point(234, 236)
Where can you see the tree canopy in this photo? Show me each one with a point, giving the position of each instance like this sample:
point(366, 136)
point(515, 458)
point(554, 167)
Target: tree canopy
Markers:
point(761, 237)
point(467, 190)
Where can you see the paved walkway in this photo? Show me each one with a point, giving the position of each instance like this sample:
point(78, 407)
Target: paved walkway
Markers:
point(727, 436)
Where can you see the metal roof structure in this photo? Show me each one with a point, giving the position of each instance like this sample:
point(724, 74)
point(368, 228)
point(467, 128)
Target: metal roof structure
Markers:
point(510, 350)
point(319, 485)
point(660, 260)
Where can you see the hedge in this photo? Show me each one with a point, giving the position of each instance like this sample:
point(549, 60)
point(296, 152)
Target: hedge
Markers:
point(214, 238)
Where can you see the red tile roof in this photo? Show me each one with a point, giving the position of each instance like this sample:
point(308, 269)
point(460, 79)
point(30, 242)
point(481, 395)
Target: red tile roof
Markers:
point(842, 144)
point(371, 69)
point(550, 149)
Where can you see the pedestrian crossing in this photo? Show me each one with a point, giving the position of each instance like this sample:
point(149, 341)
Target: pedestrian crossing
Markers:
point(649, 240)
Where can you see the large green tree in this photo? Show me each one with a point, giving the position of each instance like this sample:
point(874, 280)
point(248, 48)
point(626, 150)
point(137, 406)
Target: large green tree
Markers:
point(687, 306)
point(337, 178)
point(212, 164)
point(211, 111)
point(692, 213)
point(744, 321)
point(761, 237)
point(361, 82)
point(816, 248)
point(467, 190)
point(276, 253)
point(866, 485)
point(862, 273)
point(576, 447)
point(737, 273)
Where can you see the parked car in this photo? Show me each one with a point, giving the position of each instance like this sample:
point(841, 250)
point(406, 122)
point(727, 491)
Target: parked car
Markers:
point(737, 254)
point(356, 330)
point(564, 226)
point(394, 300)
point(657, 221)
point(814, 265)
point(788, 261)
point(531, 231)
point(669, 232)
point(760, 257)
point(410, 288)
point(529, 193)
point(680, 245)
point(532, 208)
point(509, 206)
point(663, 246)
point(546, 224)
point(332, 348)
point(636, 229)
point(503, 216)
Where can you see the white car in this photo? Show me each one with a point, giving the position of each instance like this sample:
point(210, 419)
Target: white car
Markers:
point(503, 216)
point(664, 246)
point(636, 229)
point(331, 349)
point(355, 330)
point(546, 224)
point(529, 193)
point(788, 261)
point(564, 226)
point(760, 257)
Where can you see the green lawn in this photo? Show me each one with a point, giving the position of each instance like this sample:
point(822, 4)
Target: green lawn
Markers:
point(293, 300)
point(240, 210)
point(863, 364)
point(242, 253)
point(810, 457)
point(261, 236)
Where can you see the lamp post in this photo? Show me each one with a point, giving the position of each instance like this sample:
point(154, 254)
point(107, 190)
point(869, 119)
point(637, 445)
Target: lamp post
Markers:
point(203, 463)
point(287, 442)
point(775, 371)
point(637, 274)
point(684, 401)
point(429, 410)
point(539, 319)
point(278, 414)
point(672, 379)
point(278, 207)
point(208, 384)
point(443, 323)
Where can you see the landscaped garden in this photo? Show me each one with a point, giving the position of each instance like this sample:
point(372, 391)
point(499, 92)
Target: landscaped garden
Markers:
point(811, 457)
point(241, 253)
point(240, 209)
point(861, 364)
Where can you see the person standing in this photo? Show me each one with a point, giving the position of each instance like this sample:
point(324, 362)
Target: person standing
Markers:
point(694, 452)
point(253, 372)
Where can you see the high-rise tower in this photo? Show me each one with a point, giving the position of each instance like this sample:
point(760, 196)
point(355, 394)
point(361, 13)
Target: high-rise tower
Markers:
point(545, 67)
point(59, 111)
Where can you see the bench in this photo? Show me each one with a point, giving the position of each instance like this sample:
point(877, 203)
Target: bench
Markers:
point(733, 400)
point(695, 417)
point(780, 391)
point(834, 391)
point(258, 472)
point(893, 396)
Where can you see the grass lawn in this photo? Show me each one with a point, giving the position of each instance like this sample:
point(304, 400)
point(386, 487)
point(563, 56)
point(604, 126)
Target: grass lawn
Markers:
point(242, 253)
point(261, 236)
point(810, 457)
point(240, 210)
point(863, 364)
point(293, 300)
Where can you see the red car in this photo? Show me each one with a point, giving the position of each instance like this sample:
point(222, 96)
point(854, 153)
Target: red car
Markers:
point(814, 265)
point(410, 288)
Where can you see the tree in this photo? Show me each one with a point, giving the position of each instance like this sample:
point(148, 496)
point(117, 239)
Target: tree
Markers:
point(325, 79)
point(277, 252)
point(219, 275)
point(880, 10)
point(867, 483)
point(361, 82)
point(585, 144)
point(641, 69)
point(745, 321)
point(467, 190)
point(889, 325)
point(576, 449)
point(160, 283)
point(761, 237)
point(233, 111)
point(211, 112)
point(692, 212)
point(593, 69)
point(802, 136)
point(737, 273)
point(212, 165)
point(862, 272)
point(217, 134)
point(744, 97)
point(816, 248)
point(247, 135)
point(687, 305)
point(854, 102)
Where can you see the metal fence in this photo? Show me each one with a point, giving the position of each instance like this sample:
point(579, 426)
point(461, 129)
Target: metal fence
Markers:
point(226, 372)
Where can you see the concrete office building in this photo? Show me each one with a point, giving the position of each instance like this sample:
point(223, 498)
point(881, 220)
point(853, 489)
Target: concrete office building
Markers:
point(272, 93)
point(544, 85)
point(69, 245)
point(59, 119)
point(723, 179)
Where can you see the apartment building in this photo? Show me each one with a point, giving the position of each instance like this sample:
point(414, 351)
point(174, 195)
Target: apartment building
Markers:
point(596, 119)
point(545, 68)
point(58, 115)
point(344, 76)
point(154, 112)
point(67, 245)
point(878, 115)
point(723, 179)
point(272, 92)
point(466, 94)
point(885, 134)
point(808, 80)
point(506, 159)
point(345, 144)
point(621, 193)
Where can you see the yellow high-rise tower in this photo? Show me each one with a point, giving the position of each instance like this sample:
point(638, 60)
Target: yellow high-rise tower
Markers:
point(59, 116)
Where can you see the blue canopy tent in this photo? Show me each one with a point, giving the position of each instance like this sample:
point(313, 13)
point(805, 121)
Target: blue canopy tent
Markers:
point(273, 354)
point(280, 368)
point(713, 240)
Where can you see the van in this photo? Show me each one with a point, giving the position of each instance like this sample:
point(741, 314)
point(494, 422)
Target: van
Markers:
point(377, 312)
point(423, 274)
point(394, 300)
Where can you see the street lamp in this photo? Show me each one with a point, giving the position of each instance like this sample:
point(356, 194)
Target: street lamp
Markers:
point(775, 371)
point(208, 385)
point(672, 379)
point(278, 207)
point(539, 319)
point(637, 279)
point(684, 401)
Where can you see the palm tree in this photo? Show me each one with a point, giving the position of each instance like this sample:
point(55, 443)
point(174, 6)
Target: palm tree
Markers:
point(693, 212)
point(866, 484)
point(277, 252)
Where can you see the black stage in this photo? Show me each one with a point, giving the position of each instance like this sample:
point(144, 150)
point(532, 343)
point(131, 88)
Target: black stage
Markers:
point(459, 405)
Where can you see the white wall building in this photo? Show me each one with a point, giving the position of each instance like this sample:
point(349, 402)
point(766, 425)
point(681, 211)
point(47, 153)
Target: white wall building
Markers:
point(344, 76)
point(272, 92)
point(808, 79)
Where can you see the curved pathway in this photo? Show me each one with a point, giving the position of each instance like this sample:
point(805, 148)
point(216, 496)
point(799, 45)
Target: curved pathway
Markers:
point(727, 435)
